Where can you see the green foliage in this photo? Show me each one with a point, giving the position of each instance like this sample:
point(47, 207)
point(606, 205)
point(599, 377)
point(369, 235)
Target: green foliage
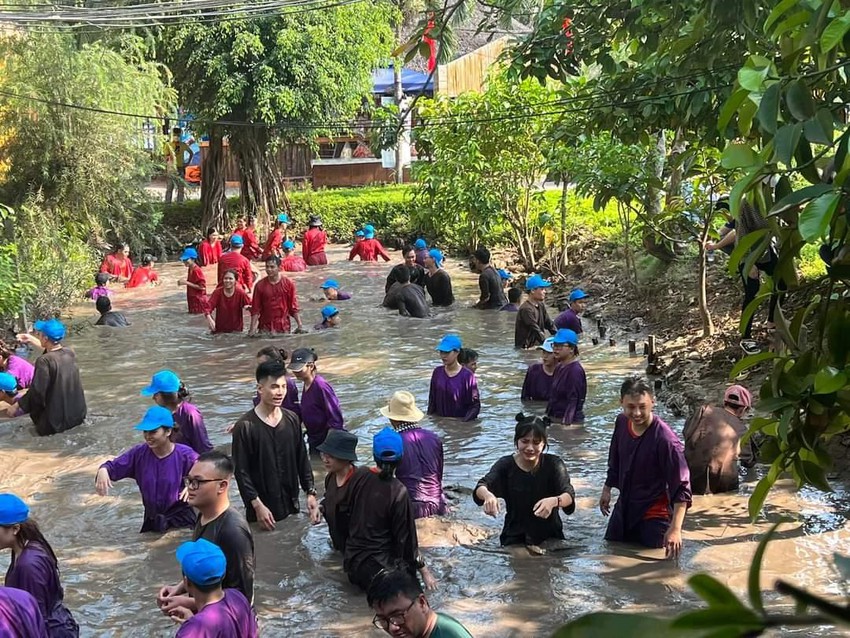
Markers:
point(13, 289)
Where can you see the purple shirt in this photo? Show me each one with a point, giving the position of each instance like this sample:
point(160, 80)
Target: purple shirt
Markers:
point(455, 396)
point(190, 429)
point(160, 482)
point(290, 401)
point(421, 471)
point(537, 385)
point(19, 615)
point(21, 369)
point(35, 572)
point(342, 296)
point(569, 390)
point(98, 291)
point(511, 307)
point(230, 617)
point(569, 319)
point(644, 469)
point(320, 411)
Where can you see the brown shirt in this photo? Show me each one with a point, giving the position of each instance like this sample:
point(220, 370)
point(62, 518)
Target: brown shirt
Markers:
point(532, 322)
point(712, 449)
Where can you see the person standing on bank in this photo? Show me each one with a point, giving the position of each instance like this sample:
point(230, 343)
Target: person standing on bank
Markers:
point(195, 282)
point(532, 320)
point(534, 486)
point(228, 303)
point(175, 165)
point(313, 243)
point(275, 301)
point(646, 463)
point(571, 317)
point(320, 409)
point(158, 467)
point(437, 280)
point(55, 400)
point(537, 385)
point(34, 567)
point(569, 385)
point(489, 281)
point(454, 389)
point(270, 456)
point(168, 391)
point(208, 487)
point(234, 260)
point(421, 466)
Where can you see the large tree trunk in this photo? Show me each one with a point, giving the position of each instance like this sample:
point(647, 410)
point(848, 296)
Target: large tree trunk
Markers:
point(652, 205)
point(260, 183)
point(213, 199)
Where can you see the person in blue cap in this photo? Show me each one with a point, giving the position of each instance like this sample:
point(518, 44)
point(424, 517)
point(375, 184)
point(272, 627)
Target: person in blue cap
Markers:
point(34, 567)
point(10, 394)
point(330, 288)
point(276, 237)
point(505, 276)
point(571, 317)
point(19, 615)
point(382, 528)
point(370, 248)
point(167, 390)
point(421, 248)
point(438, 282)
point(569, 385)
point(55, 400)
point(291, 262)
point(234, 260)
point(223, 613)
point(537, 385)
point(195, 282)
point(158, 466)
point(532, 320)
point(330, 318)
point(454, 389)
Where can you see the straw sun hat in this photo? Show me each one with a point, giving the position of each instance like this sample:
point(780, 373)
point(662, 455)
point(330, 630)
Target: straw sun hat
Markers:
point(402, 407)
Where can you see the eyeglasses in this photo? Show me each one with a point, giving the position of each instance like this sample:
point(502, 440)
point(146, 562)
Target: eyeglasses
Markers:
point(193, 483)
point(396, 620)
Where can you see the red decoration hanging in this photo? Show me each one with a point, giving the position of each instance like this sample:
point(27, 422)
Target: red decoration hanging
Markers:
point(432, 45)
point(567, 30)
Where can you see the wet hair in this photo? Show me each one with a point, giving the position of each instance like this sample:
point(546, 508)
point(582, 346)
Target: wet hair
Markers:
point(119, 247)
point(103, 304)
point(514, 294)
point(177, 131)
point(223, 463)
point(534, 425)
point(402, 275)
point(250, 219)
point(6, 350)
point(174, 398)
point(230, 271)
point(270, 370)
point(482, 255)
point(210, 231)
point(101, 278)
point(274, 354)
point(272, 258)
point(147, 259)
point(209, 587)
point(635, 386)
point(467, 355)
point(29, 532)
point(388, 584)
point(406, 249)
point(387, 469)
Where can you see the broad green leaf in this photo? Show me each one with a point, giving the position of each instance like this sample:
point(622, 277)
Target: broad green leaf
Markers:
point(834, 32)
point(768, 111)
point(815, 475)
point(785, 142)
point(745, 117)
point(751, 361)
point(638, 625)
point(820, 129)
point(816, 217)
point(796, 20)
point(739, 617)
point(841, 153)
point(743, 247)
point(754, 578)
point(799, 100)
point(753, 306)
point(800, 196)
point(730, 108)
point(778, 11)
point(773, 404)
point(829, 380)
point(712, 591)
point(737, 156)
point(752, 79)
point(735, 196)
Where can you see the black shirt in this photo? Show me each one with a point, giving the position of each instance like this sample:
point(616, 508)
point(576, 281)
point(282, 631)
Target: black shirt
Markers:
point(440, 288)
point(112, 318)
point(411, 301)
point(492, 294)
point(532, 320)
point(417, 276)
point(336, 505)
point(521, 490)
point(231, 532)
point(55, 400)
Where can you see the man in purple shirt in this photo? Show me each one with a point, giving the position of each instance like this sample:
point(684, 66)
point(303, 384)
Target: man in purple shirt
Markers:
point(224, 613)
point(646, 463)
point(570, 317)
point(421, 465)
point(19, 615)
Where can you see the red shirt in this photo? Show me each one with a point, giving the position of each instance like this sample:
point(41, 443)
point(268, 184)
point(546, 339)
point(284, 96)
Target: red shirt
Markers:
point(117, 267)
point(368, 250)
point(274, 303)
point(196, 299)
point(251, 249)
point(293, 263)
point(273, 243)
point(228, 310)
point(313, 242)
point(141, 276)
point(209, 253)
point(236, 261)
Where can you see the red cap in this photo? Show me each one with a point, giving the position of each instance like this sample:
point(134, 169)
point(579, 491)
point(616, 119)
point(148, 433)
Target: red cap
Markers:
point(738, 396)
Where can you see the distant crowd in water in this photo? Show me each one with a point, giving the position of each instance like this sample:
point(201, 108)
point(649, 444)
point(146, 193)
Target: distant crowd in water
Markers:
point(370, 512)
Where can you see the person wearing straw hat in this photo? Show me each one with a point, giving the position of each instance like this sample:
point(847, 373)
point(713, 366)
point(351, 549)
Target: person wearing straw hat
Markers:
point(34, 567)
point(234, 260)
point(537, 385)
point(437, 279)
point(532, 320)
point(421, 466)
point(158, 466)
point(291, 262)
point(313, 243)
point(195, 282)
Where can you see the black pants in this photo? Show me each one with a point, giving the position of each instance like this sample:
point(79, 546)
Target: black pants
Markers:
point(751, 289)
point(363, 574)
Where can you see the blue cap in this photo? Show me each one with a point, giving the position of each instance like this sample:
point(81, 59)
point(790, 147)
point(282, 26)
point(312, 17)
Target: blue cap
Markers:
point(504, 274)
point(162, 381)
point(202, 562)
point(536, 281)
point(236, 240)
point(289, 245)
point(420, 244)
point(359, 233)
point(329, 311)
point(547, 345)
point(370, 234)
point(387, 445)
point(368, 228)
point(156, 417)
point(8, 383)
point(565, 335)
point(330, 283)
point(53, 329)
point(283, 218)
point(437, 256)
point(12, 510)
point(449, 343)
point(577, 294)
point(188, 253)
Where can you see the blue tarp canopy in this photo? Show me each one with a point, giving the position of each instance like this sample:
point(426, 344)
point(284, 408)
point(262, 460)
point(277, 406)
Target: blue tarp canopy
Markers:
point(411, 81)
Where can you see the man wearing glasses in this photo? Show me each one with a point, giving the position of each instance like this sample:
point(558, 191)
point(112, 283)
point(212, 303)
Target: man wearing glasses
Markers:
point(402, 610)
point(207, 485)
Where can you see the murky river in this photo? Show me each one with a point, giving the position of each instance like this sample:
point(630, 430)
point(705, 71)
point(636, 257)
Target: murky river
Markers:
point(111, 572)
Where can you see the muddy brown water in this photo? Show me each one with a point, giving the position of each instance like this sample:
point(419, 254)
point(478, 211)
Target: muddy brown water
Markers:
point(111, 572)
